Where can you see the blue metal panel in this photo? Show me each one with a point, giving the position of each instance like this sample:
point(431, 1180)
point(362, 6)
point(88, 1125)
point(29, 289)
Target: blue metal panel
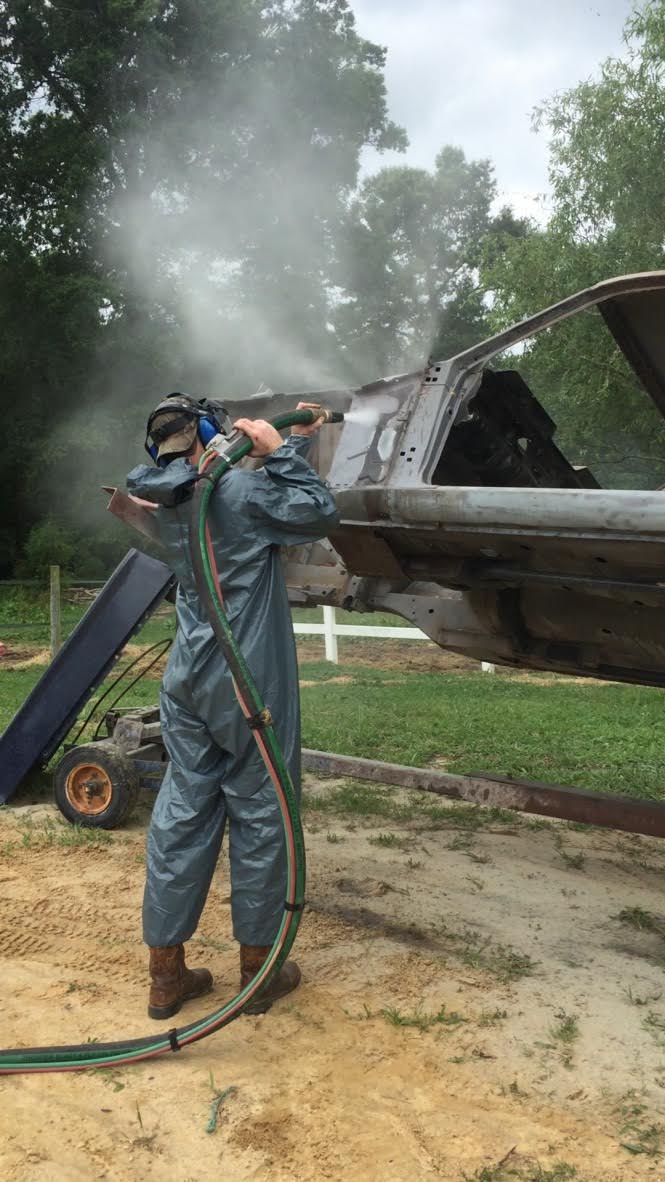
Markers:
point(135, 589)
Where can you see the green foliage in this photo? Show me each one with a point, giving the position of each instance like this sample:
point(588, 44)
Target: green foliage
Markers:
point(173, 174)
point(406, 260)
point(49, 543)
point(608, 219)
point(180, 208)
point(52, 542)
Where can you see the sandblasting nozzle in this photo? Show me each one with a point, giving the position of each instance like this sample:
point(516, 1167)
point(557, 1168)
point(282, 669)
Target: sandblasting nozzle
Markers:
point(332, 416)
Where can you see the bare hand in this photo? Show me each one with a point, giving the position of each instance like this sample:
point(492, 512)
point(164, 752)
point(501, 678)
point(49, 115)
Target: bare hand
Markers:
point(151, 505)
point(302, 430)
point(264, 436)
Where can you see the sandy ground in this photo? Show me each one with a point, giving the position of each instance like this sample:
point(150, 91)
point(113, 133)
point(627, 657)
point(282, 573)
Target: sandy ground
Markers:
point(550, 1048)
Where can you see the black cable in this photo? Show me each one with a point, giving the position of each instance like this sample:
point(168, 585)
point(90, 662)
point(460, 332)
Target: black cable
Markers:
point(165, 646)
point(161, 644)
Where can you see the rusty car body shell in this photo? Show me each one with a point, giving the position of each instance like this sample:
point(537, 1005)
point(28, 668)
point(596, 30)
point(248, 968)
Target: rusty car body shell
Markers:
point(460, 514)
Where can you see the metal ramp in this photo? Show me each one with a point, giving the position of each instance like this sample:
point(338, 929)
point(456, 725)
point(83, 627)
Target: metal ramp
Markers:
point(134, 590)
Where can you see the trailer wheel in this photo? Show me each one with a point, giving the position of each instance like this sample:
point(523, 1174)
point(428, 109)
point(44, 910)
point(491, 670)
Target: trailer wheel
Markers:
point(96, 785)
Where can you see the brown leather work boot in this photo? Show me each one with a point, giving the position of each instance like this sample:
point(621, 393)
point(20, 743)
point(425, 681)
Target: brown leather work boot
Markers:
point(287, 979)
point(172, 982)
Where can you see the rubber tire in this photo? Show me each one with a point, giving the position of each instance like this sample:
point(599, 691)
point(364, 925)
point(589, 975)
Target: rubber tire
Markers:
point(122, 773)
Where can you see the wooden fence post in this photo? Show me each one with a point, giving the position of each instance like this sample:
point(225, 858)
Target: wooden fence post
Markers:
point(56, 631)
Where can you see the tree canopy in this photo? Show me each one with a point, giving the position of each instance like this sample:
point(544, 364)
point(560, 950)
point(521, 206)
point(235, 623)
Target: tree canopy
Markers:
point(182, 207)
point(607, 137)
point(172, 174)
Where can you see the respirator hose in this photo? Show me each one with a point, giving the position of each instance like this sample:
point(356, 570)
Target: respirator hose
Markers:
point(117, 1054)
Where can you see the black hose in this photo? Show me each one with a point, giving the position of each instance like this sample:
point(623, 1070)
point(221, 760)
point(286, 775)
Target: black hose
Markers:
point(162, 645)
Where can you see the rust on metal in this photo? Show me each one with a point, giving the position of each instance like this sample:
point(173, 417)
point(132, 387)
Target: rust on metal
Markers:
point(89, 789)
point(525, 796)
point(133, 512)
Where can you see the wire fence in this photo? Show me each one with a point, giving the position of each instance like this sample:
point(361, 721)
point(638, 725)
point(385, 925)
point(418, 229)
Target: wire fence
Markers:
point(39, 614)
point(34, 613)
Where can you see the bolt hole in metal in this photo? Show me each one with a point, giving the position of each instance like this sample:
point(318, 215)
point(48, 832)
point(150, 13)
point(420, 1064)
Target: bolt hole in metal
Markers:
point(89, 789)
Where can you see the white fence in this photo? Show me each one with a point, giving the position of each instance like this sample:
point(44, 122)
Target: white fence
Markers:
point(330, 630)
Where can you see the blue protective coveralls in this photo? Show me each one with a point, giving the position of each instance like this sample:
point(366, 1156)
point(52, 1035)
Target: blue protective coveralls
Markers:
point(216, 775)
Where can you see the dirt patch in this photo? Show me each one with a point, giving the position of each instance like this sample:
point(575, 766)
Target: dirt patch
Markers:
point(467, 995)
point(354, 652)
point(132, 652)
point(407, 655)
point(26, 657)
point(328, 681)
point(423, 657)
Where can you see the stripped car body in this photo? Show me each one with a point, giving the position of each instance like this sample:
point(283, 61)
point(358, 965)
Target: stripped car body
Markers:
point(460, 513)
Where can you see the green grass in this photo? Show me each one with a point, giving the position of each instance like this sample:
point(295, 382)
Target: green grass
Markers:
point(37, 835)
point(511, 1169)
point(415, 1019)
point(24, 618)
point(603, 737)
point(563, 1036)
point(644, 921)
point(388, 840)
point(492, 1017)
point(421, 1021)
point(638, 1133)
point(314, 615)
point(16, 684)
point(359, 798)
point(566, 1029)
point(499, 960)
point(607, 738)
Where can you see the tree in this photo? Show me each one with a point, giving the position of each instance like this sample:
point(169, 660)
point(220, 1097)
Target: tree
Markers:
point(606, 136)
point(172, 177)
point(407, 264)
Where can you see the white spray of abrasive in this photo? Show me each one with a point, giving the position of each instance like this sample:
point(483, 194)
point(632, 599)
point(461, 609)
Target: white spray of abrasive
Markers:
point(229, 246)
point(364, 417)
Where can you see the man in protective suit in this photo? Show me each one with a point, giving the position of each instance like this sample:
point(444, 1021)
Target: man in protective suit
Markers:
point(216, 776)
